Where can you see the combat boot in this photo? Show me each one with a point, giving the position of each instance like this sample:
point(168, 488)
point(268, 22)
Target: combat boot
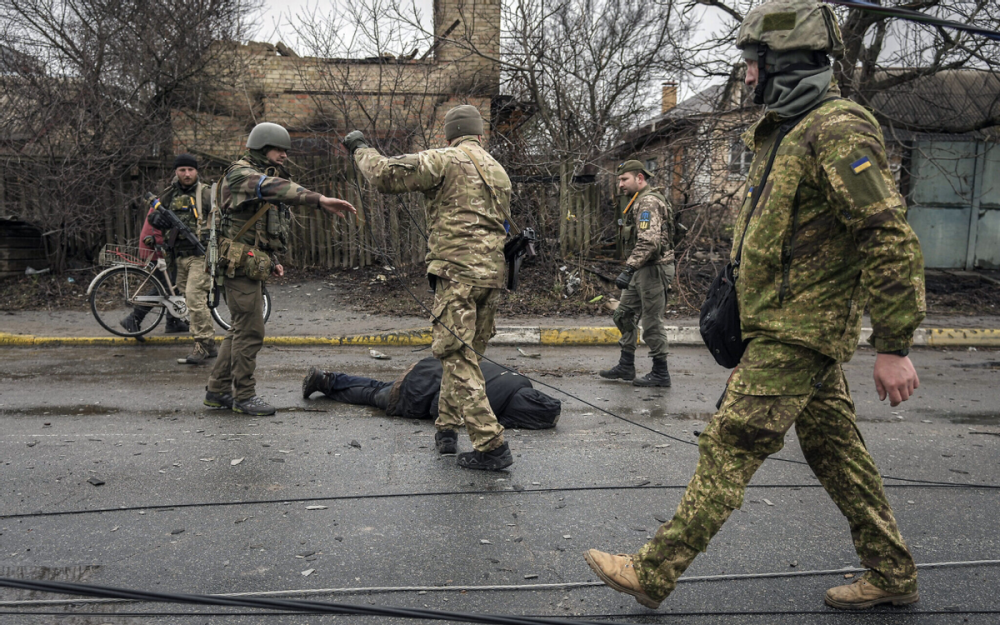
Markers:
point(862, 594)
point(197, 356)
point(209, 345)
point(175, 325)
point(446, 442)
point(218, 400)
point(493, 460)
point(624, 370)
point(619, 573)
point(255, 407)
point(314, 382)
point(659, 376)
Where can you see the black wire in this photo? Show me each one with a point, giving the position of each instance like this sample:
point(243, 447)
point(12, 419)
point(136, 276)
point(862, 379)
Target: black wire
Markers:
point(291, 605)
point(453, 493)
point(482, 356)
point(644, 615)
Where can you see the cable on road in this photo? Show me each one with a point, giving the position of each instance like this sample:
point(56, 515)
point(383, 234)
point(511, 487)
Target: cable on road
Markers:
point(304, 592)
point(452, 493)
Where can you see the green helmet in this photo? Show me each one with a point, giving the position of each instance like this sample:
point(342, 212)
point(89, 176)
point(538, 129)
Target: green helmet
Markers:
point(267, 134)
point(784, 25)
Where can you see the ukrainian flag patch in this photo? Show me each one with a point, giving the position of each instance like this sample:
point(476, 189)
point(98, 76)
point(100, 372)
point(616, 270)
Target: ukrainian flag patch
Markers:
point(860, 165)
point(750, 192)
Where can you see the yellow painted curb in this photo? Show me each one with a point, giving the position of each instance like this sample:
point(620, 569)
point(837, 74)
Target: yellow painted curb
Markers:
point(579, 336)
point(948, 337)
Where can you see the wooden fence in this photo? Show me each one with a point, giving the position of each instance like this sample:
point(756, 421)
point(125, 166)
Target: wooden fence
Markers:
point(387, 230)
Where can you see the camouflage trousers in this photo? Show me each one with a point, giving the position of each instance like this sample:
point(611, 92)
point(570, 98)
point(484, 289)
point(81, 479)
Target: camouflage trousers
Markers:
point(645, 302)
point(775, 386)
point(469, 312)
point(193, 281)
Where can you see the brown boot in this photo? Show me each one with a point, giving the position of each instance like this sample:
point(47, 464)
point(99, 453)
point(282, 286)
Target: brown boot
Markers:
point(617, 572)
point(861, 594)
point(197, 356)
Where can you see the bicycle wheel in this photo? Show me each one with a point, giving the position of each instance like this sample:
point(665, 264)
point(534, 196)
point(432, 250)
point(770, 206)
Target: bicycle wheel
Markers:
point(125, 295)
point(221, 312)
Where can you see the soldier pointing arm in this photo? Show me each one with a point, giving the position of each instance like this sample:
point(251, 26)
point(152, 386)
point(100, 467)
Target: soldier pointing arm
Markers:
point(468, 194)
point(254, 231)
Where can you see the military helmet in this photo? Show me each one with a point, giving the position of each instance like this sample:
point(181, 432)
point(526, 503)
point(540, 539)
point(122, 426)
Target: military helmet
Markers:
point(462, 120)
point(784, 25)
point(267, 134)
point(633, 166)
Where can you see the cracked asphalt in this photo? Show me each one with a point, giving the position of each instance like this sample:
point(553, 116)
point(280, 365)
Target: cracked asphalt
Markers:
point(116, 475)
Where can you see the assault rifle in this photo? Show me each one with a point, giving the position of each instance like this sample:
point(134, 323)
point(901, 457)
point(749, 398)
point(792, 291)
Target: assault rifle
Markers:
point(164, 219)
point(520, 245)
point(212, 264)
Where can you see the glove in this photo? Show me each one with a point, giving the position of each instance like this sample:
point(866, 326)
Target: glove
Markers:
point(149, 241)
point(353, 141)
point(624, 278)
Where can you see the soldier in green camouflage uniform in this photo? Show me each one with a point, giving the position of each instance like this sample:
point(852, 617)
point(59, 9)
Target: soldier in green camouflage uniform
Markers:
point(828, 236)
point(467, 198)
point(646, 278)
point(256, 187)
point(190, 199)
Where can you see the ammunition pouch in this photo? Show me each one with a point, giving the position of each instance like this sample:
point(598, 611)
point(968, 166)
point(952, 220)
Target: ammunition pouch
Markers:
point(255, 263)
point(278, 227)
point(624, 320)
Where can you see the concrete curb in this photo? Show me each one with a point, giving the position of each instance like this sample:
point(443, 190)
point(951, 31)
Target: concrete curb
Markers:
point(509, 335)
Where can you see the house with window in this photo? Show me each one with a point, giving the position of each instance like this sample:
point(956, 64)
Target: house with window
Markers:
point(941, 131)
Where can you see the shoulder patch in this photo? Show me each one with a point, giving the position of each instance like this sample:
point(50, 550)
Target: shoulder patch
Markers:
point(860, 165)
point(644, 220)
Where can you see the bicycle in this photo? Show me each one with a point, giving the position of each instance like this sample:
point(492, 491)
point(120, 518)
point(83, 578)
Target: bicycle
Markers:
point(133, 287)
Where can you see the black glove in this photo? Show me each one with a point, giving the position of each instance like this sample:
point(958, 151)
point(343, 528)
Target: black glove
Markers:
point(354, 140)
point(624, 278)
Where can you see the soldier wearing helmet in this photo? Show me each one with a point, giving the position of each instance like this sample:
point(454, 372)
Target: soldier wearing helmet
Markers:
point(252, 199)
point(467, 196)
point(649, 269)
point(822, 237)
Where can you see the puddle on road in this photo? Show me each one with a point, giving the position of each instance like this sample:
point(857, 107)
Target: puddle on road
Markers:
point(993, 365)
point(973, 418)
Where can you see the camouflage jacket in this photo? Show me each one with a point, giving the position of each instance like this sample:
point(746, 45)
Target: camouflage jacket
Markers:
point(829, 235)
point(650, 217)
point(245, 188)
point(467, 233)
point(192, 213)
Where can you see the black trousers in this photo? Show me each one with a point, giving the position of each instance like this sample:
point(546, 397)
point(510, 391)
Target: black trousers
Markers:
point(351, 389)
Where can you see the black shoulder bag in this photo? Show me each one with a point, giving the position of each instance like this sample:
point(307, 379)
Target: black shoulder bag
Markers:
point(720, 313)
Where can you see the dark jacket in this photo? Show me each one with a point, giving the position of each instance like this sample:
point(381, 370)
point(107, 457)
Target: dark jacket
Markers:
point(512, 398)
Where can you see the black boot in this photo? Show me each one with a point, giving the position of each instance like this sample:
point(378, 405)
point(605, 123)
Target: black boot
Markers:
point(446, 442)
point(659, 376)
point(494, 460)
point(314, 381)
point(624, 370)
point(175, 325)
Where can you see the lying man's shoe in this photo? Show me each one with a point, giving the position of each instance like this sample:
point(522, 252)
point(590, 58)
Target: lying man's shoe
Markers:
point(493, 460)
point(218, 400)
point(861, 594)
point(618, 572)
point(255, 407)
point(312, 382)
point(446, 442)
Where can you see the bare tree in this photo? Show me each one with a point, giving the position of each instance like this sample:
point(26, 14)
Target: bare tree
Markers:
point(88, 89)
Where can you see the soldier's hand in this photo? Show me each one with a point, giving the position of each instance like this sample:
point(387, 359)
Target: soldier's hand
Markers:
point(895, 378)
point(338, 207)
point(624, 278)
point(278, 270)
point(354, 140)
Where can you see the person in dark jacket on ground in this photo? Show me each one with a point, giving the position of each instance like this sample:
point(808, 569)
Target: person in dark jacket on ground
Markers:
point(415, 394)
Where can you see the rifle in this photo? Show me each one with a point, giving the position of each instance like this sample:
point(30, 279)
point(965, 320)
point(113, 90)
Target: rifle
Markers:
point(213, 252)
point(514, 250)
point(164, 219)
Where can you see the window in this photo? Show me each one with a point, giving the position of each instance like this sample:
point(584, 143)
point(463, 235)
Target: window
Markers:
point(739, 159)
point(651, 165)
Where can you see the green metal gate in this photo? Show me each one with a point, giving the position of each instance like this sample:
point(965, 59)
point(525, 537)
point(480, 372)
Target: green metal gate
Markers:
point(955, 203)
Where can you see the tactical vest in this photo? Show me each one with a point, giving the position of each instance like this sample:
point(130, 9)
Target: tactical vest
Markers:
point(271, 232)
point(188, 208)
point(629, 232)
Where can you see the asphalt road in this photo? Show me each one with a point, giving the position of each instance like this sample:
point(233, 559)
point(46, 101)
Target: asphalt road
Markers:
point(227, 497)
